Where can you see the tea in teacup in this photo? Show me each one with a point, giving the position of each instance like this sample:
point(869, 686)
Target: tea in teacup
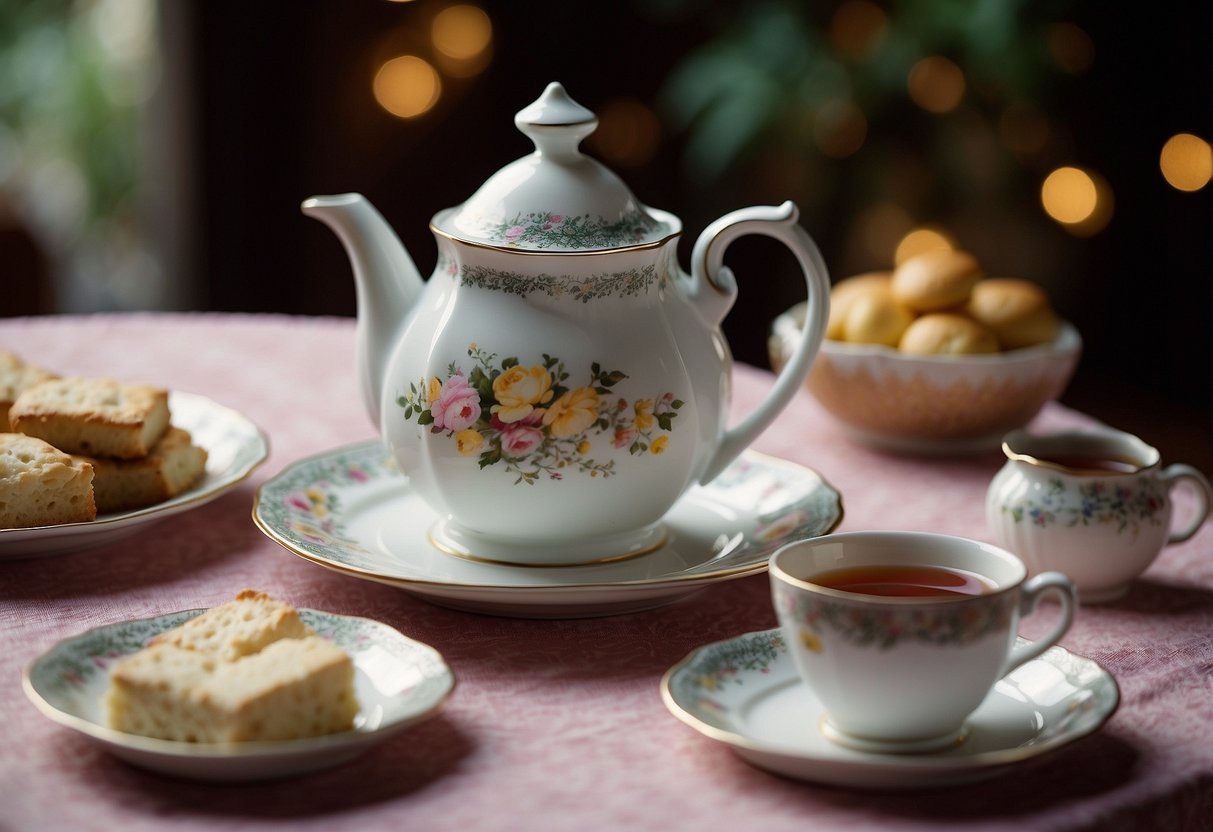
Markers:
point(900, 635)
point(904, 581)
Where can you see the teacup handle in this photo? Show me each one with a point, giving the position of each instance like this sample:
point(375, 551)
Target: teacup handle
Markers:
point(714, 288)
point(1029, 595)
point(1171, 477)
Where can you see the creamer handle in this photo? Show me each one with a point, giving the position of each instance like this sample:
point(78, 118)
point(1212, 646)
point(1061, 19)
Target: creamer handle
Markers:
point(715, 289)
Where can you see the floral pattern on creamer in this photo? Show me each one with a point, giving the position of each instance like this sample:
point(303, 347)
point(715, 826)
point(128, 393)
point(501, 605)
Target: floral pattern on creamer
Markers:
point(1096, 503)
point(951, 623)
point(534, 420)
point(584, 288)
point(543, 229)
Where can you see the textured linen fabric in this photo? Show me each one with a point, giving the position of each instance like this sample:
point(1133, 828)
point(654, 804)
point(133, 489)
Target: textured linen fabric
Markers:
point(554, 725)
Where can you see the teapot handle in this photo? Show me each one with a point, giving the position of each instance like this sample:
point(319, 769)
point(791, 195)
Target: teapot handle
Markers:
point(709, 272)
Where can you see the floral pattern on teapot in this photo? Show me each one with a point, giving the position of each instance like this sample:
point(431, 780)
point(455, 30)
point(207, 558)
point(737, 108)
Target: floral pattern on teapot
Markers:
point(542, 230)
point(1094, 503)
point(533, 420)
point(585, 288)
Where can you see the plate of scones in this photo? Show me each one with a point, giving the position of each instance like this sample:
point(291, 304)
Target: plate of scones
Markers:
point(249, 689)
point(87, 461)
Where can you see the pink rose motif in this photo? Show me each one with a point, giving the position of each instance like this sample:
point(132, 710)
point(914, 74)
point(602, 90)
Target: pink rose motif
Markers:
point(519, 440)
point(458, 405)
point(513, 233)
point(624, 437)
point(554, 218)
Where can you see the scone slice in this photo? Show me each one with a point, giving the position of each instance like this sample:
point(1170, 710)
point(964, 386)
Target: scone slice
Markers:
point(238, 628)
point(15, 376)
point(173, 465)
point(293, 688)
point(95, 417)
point(42, 486)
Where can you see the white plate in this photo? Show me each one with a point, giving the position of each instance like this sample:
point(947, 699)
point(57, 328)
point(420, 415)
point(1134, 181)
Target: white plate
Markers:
point(352, 511)
point(399, 682)
point(745, 693)
point(234, 447)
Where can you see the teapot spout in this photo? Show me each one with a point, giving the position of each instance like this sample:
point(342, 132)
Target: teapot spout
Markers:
point(386, 279)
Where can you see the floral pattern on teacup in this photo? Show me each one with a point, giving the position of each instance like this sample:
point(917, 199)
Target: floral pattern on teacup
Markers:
point(954, 623)
point(534, 420)
point(1096, 503)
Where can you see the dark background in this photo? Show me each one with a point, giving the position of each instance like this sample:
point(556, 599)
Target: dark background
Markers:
point(271, 103)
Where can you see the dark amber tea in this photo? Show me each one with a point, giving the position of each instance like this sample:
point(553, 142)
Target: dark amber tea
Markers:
point(904, 581)
point(1094, 464)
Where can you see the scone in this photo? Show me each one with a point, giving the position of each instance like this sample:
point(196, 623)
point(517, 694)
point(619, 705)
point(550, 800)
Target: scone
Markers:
point(42, 486)
point(876, 317)
point(1017, 311)
point(845, 292)
point(238, 628)
point(944, 333)
point(246, 670)
point(96, 417)
point(173, 465)
point(936, 280)
point(16, 375)
point(293, 688)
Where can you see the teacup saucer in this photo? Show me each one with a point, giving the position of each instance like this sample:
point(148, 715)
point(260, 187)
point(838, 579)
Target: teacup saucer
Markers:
point(745, 693)
point(351, 510)
point(398, 681)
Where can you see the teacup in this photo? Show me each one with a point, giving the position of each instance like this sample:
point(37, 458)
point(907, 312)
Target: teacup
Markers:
point(1094, 504)
point(901, 635)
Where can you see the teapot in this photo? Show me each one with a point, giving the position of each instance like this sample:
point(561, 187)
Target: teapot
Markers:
point(558, 382)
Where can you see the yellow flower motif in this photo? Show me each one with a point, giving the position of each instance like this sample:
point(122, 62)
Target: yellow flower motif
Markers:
point(518, 390)
point(469, 441)
point(572, 413)
point(583, 447)
point(709, 682)
point(434, 390)
point(319, 501)
point(811, 642)
point(658, 446)
point(644, 415)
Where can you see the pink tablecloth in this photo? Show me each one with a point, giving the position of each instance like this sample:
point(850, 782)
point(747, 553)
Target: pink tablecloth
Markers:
point(553, 724)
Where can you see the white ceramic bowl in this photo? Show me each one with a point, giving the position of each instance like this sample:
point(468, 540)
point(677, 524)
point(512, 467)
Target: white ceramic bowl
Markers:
point(931, 404)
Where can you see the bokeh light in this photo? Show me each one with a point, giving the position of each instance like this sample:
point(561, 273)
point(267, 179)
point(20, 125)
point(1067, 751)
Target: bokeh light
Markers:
point(858, 27)
point(920, 241)
point(1186, 162)
point(1070, 48)
point(839, 128)
point(628, 134)
point(462, 36)
point(407, 86)
point(1080, 200)
point(936, 84)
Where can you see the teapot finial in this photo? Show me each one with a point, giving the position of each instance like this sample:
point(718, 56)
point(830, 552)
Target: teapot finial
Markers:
point(556, 123)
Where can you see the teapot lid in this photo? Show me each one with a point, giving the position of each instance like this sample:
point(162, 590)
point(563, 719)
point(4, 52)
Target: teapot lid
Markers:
point(557, 198)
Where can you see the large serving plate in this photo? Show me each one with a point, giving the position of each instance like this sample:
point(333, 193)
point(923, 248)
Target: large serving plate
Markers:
point(398, 681)
point(351, 510)
point(234, 445)
point(745, 693)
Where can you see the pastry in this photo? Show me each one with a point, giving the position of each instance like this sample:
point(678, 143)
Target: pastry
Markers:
point(96, 417)
point(41, 486)
point(1016, 311)
point(173, 465)
point(936, 280)
point(945, 333)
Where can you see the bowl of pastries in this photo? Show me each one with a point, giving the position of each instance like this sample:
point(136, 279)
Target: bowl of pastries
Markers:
point(934, 356)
